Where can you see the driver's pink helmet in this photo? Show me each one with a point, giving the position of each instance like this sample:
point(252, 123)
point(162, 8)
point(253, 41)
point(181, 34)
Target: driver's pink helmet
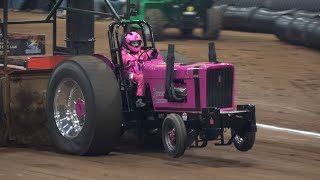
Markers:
point(130, 39)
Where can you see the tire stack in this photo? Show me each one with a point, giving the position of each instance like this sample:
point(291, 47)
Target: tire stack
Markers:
point(299, 30)
point(237, 13)
point(293, 21)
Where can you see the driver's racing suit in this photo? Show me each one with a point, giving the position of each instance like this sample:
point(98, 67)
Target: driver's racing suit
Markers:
point(133, 68)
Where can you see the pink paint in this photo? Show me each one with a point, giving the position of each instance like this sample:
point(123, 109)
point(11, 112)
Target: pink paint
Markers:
point(80, 108)
point(155, 72)
point(211, 121)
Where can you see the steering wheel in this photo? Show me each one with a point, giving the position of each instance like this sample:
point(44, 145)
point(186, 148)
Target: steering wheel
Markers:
point(154, 56)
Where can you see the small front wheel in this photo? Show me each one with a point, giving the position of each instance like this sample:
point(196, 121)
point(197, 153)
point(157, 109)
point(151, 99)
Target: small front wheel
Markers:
point(244, 141)
point(174, 135)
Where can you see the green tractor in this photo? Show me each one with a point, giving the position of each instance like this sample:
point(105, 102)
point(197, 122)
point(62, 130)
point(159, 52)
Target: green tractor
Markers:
point(185, 15)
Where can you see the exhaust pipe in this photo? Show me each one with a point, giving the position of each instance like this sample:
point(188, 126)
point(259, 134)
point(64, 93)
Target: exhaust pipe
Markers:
point(212, 53)
point(170, 93)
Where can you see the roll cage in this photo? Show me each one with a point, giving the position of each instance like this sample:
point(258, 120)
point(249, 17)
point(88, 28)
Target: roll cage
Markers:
point(116, 32)
point(82, 42)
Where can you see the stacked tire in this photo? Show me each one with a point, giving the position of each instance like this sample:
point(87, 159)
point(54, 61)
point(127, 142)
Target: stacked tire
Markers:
point(300, 30)
point(241, 3)
point(238, 18)
point(281, 5)
point(263, 19)
point(292, 21)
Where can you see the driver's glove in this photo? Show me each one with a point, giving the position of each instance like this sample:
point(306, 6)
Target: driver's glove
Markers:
point(154, 54)
point(130, 63)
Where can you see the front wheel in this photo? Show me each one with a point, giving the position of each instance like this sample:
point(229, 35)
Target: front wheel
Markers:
point(244, 141)
point(174, 135)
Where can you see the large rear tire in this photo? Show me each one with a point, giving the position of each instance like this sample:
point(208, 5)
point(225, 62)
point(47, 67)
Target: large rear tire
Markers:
point(174, 135)
point(83, 107)
point(155, 18)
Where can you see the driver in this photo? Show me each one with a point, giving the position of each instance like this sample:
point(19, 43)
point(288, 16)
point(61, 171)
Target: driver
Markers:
point(133, 57)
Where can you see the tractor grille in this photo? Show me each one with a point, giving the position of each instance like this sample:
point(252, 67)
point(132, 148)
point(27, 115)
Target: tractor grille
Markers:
point(219, 87)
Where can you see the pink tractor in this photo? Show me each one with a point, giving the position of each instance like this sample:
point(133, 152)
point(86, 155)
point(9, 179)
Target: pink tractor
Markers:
point(186, 104)
point(87, 100)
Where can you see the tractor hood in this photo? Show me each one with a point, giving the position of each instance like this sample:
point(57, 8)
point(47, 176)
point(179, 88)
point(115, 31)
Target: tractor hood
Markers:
point(156, 69)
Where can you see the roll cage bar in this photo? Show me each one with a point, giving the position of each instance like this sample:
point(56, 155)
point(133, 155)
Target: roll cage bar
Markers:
point(115, 41)
point(52, 19)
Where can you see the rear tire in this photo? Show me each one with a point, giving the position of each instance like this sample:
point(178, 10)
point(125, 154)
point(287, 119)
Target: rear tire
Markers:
point(213, 23)
point(100, 105)
point(155, 18)
point(174, 135)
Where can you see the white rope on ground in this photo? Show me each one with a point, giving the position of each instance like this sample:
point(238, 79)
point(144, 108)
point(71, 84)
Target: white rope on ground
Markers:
point(293, 131)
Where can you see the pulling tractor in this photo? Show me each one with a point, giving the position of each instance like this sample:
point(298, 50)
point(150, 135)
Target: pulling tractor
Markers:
point(80, 102)
point(186, 15)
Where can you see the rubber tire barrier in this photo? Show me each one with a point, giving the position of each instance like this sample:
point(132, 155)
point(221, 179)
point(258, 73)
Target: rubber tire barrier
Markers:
point(101, 130)
point(223, 2)
point(280, 26)
point(303, 13)
point(280, 5)
point(155, 18)
point(238, 18)
point(241, 3)
point(312, 33)
point(263, 19)
point(296, 33)
point(180, 135)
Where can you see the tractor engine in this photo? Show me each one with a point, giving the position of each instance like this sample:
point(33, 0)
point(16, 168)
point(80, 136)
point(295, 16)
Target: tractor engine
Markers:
point(191, 86)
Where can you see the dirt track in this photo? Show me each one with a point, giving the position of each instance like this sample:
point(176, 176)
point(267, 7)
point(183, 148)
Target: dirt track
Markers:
point(282, 80)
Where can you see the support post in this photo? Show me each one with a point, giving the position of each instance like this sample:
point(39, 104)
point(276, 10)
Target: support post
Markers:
point(80, 28)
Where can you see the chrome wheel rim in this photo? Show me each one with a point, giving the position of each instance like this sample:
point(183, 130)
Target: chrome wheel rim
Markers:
point(69, 108)
point(170, 137)
point(238, 139)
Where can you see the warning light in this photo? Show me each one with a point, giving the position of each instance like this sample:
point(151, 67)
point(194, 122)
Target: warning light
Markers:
point(190, 8)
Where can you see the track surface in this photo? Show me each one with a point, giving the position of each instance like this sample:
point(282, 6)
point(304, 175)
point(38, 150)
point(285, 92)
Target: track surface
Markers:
point(282, 80)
